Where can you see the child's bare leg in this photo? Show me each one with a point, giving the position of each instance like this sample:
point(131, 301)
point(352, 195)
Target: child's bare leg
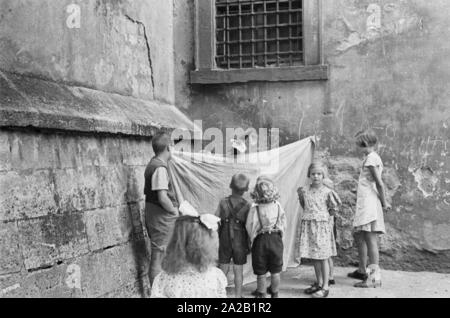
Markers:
point(238, 279)
point(372, 247)
point(325, 270)
point(225, 268)
point(261, 284)
point(318, 270)
point(362, 252)
point(331, 264)
point(275, 282)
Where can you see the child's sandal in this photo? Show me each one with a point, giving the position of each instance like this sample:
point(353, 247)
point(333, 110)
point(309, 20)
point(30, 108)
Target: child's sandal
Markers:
point(313, 289)
point(368, 284)
point(322, 293)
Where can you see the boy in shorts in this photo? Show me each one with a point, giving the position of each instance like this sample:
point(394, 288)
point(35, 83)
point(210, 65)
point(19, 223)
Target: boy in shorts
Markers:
point(233, 237)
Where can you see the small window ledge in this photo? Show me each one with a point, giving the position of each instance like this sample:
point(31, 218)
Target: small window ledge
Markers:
point(279, 74)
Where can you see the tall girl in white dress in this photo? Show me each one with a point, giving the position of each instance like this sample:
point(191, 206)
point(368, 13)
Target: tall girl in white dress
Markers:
point(369, 219)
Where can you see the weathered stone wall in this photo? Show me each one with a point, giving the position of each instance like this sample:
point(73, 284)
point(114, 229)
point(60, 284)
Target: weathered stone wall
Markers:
point(389, 69)
point(83, 86)
point(71, 218)
point(118, 46)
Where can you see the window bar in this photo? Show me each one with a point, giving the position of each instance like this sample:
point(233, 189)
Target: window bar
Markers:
point(265, 34)
point(228, 57)
point(290, 28)
point(240, 35)
point(225, 52)
point(278, 33)
point(253, 30)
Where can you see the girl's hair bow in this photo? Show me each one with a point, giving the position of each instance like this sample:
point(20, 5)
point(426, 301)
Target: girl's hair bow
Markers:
point(209, 221)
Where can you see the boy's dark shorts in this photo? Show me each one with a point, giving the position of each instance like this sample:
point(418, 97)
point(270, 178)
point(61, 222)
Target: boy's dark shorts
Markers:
point(227, 253)
point(267, 254)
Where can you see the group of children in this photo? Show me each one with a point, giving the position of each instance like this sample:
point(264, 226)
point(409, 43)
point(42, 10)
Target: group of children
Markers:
point(258, 228)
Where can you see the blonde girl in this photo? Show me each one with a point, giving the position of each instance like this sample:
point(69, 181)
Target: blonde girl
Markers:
point(317, 241)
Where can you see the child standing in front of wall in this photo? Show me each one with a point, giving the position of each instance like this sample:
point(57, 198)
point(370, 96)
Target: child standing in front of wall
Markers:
point(369, 218)
point(317, 241)
point(266, 225)
point(233, 237)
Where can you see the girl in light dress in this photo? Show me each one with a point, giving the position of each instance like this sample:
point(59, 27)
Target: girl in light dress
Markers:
point(317, 241)
point(369, 219)
point(189, 266)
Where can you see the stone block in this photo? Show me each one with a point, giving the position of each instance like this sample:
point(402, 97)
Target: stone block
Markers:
point(91, 188)
point(55, 282)
point(135, 184)
point(26, 195)
point(100, 151)
point(11, 257)
point(139, 289)
point(137, 152)
point(11, 286)
point(5, 152)
point(68, 151)
point(108, 227)
point(52, 238)
point(108, 271)
point(30, 151)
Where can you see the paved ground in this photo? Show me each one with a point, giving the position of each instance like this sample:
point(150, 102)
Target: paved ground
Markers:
point(395, 285)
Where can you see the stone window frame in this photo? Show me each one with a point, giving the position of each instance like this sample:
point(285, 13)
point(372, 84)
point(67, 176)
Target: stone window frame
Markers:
point(207, 71)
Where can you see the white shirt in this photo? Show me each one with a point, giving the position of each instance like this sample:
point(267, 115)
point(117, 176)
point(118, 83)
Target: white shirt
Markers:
point(160, 179)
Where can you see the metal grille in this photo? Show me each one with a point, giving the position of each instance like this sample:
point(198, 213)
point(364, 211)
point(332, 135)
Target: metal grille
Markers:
point(259, 33)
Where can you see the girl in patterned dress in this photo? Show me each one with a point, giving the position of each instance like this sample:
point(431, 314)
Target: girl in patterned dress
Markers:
point(189, 266)
point(317, 241)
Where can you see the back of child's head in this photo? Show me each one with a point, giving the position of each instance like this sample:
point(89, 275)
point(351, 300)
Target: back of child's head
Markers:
point(192, 246)
point(240, 183)
point(265, 191)
point(366, 138)
point(160, 142)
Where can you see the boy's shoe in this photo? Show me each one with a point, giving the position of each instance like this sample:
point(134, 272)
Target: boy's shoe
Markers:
point(260, 295)
point(313, 289)
point(269, 291)
point(358, 275)
point(322, 293)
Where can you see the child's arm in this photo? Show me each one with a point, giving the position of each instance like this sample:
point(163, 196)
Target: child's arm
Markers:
point(380, 186)
point(217, 213)
point(249, 223)
point(333, 203)
point(165, 202)
point(283, 220)
point(301, 198)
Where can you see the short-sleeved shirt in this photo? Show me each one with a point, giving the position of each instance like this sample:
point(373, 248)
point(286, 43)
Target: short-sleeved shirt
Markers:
point(368, 204)
point(160, 179)
point(272, 215)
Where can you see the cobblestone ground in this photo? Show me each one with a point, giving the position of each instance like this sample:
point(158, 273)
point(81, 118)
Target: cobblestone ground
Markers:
point(395, 285)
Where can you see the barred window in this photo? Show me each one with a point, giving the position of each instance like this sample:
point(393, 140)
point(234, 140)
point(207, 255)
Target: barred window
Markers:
point(259, 33)
point(242, 41)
